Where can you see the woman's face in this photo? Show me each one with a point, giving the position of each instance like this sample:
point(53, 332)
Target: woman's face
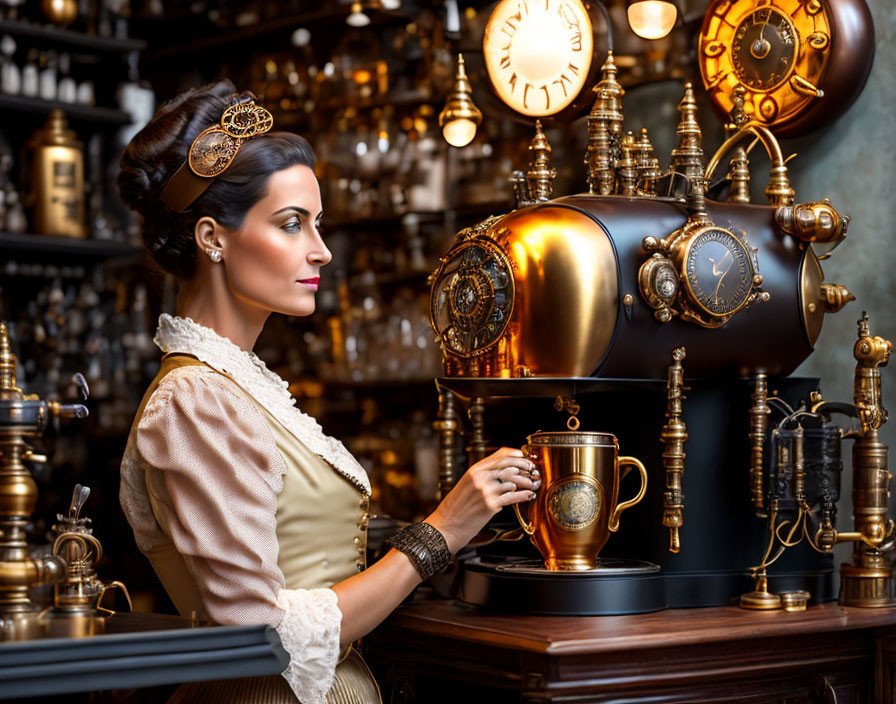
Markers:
point(273, 260)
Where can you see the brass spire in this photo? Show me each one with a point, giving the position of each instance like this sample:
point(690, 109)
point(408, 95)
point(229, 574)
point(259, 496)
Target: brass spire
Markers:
point(7, 364)
point(687, 158)
point(540, 175)
point(607, 114)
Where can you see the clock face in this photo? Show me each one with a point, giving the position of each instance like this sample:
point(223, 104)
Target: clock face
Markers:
point(719, 272)
point(472, 298)
point(764, 49)
point(538, 53)
point(779, 51)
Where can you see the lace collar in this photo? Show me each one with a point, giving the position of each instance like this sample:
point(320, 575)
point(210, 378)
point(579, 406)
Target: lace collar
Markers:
point(252, 375)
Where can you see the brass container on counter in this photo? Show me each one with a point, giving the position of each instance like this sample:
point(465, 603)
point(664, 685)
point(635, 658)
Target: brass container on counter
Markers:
point(578, 506)
point(56, 179)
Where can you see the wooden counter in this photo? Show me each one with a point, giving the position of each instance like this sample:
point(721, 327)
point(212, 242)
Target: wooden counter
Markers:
point(434, 651)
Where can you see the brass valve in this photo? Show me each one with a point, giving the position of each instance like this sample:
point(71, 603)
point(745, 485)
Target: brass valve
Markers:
point(813, 222)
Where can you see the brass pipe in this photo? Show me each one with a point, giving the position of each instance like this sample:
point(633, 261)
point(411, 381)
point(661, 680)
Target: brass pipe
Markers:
point(759, 415)
point(674, 434)
point(778, 191)
point(446, 427)
point(799, 470)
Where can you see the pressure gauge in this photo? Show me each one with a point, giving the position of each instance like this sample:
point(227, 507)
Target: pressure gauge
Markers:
point(718, 272)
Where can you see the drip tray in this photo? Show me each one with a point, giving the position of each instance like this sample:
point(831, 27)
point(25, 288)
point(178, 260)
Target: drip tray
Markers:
point(614, 587)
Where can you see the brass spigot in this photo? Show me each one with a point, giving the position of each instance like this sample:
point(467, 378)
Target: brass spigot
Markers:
point(739, 175)
point(674, 435)
point(835, 296)
point(21, 417)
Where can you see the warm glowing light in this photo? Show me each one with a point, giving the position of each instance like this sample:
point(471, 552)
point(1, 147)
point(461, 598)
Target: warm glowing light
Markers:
point(357, 18)
point(652, 19)
point(459, 133)
point(538, 60)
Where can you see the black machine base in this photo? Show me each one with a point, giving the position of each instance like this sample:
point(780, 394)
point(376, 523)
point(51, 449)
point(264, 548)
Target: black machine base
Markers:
point(616, 587)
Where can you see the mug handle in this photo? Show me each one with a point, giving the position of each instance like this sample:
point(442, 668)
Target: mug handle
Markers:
point(614, 519)
point(527, 526)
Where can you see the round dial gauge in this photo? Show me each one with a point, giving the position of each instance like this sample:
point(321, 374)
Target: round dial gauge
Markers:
point(538, 53)
point(718, 270)
point(472, 298)
point(764, 49)
point(801, 63)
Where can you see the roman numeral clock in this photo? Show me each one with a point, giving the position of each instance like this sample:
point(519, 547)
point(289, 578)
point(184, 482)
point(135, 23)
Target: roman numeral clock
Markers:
point(538, 54)
point(800, 63)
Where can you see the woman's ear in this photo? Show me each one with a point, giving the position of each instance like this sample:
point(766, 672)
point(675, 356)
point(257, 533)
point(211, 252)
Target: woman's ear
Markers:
point(208, 238)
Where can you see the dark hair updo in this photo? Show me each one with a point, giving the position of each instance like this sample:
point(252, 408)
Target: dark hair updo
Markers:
point(160, 148)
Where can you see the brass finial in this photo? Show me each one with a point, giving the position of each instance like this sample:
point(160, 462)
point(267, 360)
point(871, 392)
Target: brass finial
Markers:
point(599, 159)
point(7, 363)
point(607, 114)
point(540, 175)
point(687, 159)
point(609, 97)
point(739, 175)
point(643, 151)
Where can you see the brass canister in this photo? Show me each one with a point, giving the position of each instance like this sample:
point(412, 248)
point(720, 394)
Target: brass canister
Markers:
point(56, 179)
point(578, 506)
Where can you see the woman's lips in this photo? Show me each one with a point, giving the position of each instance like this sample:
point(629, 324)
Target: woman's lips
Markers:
point(311, 283)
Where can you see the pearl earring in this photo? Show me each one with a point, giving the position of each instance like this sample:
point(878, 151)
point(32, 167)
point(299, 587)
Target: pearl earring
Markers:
point(214, 255)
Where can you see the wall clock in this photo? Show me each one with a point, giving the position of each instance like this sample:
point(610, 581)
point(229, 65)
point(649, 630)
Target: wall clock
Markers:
point(802, 63)
point(538, 54)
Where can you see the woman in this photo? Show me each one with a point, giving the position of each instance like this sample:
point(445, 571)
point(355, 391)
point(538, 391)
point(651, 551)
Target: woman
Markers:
point(247, 511)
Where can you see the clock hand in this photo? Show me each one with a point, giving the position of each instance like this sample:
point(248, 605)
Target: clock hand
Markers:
point(722, 278)
point(716, 268)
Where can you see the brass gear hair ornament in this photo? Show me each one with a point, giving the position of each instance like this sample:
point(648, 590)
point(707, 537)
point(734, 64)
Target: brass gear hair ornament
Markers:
point(213, 151)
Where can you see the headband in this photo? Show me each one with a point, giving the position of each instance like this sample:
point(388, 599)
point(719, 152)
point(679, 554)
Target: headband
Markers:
point(212, 152)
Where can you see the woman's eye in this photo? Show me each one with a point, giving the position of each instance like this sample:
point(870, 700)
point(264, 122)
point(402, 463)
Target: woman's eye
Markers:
point(293, 227)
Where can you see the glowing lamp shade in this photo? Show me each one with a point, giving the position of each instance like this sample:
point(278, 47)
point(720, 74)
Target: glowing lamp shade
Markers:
point(459, 132)
point(357, 18)
point(460, 117)
point(652, 19)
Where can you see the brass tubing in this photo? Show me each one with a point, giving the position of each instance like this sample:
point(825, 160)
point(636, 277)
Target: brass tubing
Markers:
point(446, 426)
point(674, 434)
point(778, 190)
point(799, 470)
point(759, 415)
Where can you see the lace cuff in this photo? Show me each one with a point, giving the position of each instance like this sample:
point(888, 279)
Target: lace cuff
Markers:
point(309, 632)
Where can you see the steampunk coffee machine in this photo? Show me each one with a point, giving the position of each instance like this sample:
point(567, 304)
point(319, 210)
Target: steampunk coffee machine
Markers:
point(661, 284)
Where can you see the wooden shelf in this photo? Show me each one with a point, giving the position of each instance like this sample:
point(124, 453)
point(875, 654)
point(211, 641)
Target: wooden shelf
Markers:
point(74, 112)
point(327, 12)
point(40, 245)
point(60, 38)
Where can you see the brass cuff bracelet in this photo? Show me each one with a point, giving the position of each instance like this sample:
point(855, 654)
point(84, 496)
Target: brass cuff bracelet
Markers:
point(425, 546)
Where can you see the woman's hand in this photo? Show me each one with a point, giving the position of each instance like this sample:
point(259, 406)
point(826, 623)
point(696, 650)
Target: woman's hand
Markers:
point(503, 478)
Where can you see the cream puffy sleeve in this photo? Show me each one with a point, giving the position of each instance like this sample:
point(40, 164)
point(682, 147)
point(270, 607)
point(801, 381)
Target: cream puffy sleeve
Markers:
point(221, 472)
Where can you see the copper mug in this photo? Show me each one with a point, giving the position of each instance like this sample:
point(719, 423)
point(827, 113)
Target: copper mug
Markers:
point(578, 505)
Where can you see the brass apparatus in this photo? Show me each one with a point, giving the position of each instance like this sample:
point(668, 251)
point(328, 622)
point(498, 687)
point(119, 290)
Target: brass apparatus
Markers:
point(80, 591)
point(674, 434)
point(868, 580)
point(561, 269)
point(22, 417)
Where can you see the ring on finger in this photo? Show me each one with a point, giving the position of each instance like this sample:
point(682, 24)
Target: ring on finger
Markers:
point(499, 480)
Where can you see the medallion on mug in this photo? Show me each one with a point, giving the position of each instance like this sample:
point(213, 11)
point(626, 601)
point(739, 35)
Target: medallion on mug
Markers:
point(578, 506)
